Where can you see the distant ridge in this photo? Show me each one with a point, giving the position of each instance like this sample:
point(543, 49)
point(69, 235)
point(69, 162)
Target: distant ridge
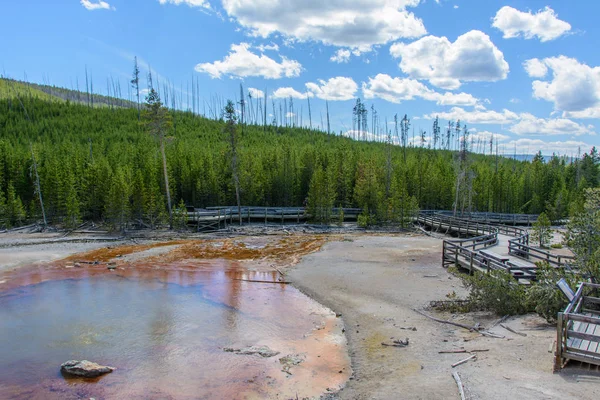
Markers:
point(11, 88)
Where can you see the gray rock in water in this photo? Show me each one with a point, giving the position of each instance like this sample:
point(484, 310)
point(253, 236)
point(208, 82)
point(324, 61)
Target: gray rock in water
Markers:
point(262, 351)
point(85, 368)
point(291, 360)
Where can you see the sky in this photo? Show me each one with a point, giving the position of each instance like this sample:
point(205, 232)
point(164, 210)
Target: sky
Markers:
point(525, 72)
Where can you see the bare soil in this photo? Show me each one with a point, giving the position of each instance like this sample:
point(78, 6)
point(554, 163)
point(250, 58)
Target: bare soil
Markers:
point(377, 281)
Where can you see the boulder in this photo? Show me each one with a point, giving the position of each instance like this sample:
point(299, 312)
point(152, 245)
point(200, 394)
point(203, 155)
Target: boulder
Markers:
point(84, 368)
point(262, 351)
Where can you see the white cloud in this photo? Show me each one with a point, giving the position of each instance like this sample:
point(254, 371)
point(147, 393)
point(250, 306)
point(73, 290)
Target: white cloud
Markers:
point(99, 5)
point(190, 3)
point(268, 47)
point(574, 88)
point(345, 23)
point(256, 93)
point(544, 24)
point(485, 136)
point(532, 146)
point(338, 89)
point(396, 90)
point(472, 57)
point(341, 56)
point(287, 92)
point(514, 100)
point(478, 116)
point(589, 113)
point(241, 63)
point(531, 125)
point(535, 68)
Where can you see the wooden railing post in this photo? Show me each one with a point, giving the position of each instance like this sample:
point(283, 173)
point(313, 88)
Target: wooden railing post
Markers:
point(559, 343)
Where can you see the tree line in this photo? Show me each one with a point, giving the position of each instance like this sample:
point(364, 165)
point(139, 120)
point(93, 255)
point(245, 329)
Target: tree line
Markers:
point(121, 165)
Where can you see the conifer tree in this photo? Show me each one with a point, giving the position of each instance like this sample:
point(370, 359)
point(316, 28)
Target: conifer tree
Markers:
point(158, 122)
point(321, 197)
point(231, 131)
point(15, 212)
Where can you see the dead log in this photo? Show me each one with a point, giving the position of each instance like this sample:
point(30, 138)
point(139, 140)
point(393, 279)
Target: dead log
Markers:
point(461, 388)
point(256, 281)
point(499, 321)
point(508, 328)
point(456, 364)
point(468, 327)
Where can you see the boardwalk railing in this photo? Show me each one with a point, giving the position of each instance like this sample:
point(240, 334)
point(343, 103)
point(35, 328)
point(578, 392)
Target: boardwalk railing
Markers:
point(465, 253)
point(490, 218)
point(469, 253)
point(578, 328)
point(214, 218)
point(519, 247)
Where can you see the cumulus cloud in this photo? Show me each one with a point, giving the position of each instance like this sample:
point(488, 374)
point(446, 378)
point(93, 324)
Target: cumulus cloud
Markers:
point(535, 68)
point(477, 116)
point(190, 3)
point(337, 89)
point(486, 136)
point(268, 47)
point(344, 23)
point(544, 24)
point(256, 93)
point(532, 146)
point(241, 63)
point(531, 125)
point(574, 88)
point(396, 90)
point(341, 56)
point(287, 92)
point(472, 57)
point(96, 5)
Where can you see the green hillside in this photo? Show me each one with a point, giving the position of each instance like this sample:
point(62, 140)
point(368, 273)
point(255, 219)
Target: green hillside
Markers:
point(100, 163)
point(10, 89)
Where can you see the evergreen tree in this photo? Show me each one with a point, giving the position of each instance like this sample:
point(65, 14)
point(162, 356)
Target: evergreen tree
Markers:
point(231, 131)
point(541, 230)
point(158, 121)
point(15, 212)
point(321, 197)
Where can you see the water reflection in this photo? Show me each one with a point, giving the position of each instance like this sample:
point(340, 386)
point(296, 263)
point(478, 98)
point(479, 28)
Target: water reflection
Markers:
point(164, 329)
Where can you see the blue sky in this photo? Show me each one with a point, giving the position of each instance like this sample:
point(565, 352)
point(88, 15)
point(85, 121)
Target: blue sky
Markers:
point(525, 71)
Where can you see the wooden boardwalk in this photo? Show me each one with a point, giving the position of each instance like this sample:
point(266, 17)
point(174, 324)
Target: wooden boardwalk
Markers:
point(578, 328)
point(490, 247)
point(215, 218)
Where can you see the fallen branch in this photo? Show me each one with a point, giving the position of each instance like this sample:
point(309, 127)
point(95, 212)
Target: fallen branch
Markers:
point(462, 351)
point(492, 335)
point(252, 280)
point(464, 361)
point(396, 343)
point(461, 389)
point(277, 269)
point(470, 328)
point(499, 321)
point(508, 328)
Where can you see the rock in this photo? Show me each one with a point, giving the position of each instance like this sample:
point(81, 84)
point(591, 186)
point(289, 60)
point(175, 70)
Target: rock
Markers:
point(290, 360)
point(262, 351)
point(85, 368)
